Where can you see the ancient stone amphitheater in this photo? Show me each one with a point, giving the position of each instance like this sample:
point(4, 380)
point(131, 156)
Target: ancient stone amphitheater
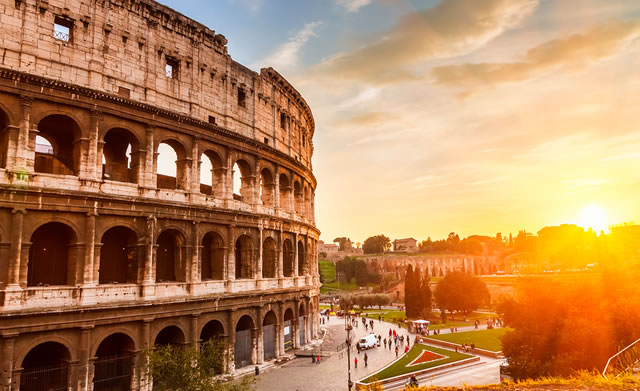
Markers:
point(152, 191)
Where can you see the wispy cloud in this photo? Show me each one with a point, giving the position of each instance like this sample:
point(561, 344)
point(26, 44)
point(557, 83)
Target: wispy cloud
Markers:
point(287, 55)
point(573, 52)
point(451, 27)
point(254, 6)
point(353, 5)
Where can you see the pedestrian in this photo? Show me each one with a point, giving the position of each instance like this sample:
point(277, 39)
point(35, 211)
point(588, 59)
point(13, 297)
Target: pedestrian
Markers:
point(385, 343)
point(396, 351)
point(406, 349)
point(358, 347)
point(473, 347)
point(394, 334)
point(389, 343)
point(389, 332)
point(366, 359)
point(383, 318)
point(355, 361)
point(379, 318)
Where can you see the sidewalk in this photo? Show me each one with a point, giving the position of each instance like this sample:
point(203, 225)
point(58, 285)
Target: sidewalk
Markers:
point(331, 373)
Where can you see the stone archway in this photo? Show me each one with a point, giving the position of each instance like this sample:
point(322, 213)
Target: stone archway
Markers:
point(46, 367)
point(114, 363)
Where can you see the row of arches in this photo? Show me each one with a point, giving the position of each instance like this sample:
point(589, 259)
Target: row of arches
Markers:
point(115, 363)
point(55, 249)
point(58, 150)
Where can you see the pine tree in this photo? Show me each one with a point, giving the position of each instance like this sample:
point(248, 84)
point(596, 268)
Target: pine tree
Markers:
point(408, 291)
point(425, 293)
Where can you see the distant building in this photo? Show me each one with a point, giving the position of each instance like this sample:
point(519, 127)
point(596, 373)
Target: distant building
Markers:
point(327, 248)
point(408, 245)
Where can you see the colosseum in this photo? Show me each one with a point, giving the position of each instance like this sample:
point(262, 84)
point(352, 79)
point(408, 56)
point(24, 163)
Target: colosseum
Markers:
point(153, 191)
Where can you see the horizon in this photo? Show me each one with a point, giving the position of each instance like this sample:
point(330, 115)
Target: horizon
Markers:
point(429, 121)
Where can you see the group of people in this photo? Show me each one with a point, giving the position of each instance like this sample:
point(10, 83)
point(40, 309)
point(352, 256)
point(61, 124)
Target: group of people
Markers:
point(467, 348)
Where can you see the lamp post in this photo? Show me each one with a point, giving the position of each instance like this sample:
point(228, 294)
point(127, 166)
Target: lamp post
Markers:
point(348, 327)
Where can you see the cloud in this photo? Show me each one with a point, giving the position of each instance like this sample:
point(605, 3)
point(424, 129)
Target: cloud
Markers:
point(451, 27)
point(370, 119)
point(572, 52)
point(353, 5)
point(286, 57)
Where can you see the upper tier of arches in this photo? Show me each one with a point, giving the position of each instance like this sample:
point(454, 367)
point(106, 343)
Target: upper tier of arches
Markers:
point(76, 149)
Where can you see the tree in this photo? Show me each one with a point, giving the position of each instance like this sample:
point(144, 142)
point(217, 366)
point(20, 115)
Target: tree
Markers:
point(341, 242)
point(376, 244)
point(462, 292)
point(408, 292)
point(186, 368)
point(425, 295)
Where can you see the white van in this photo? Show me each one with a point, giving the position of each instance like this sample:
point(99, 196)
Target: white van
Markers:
point(368, 341)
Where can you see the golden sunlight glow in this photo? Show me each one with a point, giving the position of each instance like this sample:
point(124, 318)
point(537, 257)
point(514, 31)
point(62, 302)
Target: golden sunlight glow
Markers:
point(594, 216)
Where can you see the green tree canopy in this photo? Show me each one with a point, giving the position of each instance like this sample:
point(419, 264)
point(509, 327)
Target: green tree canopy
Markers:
point(376, 244)
point(462, 292)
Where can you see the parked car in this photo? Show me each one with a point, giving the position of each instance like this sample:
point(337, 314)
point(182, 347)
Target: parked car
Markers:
point(368, 341)
point(505, 373)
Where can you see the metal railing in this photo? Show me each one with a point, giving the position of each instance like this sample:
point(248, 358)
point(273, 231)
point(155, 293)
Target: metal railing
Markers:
point(61, 36)
point(624, 361)
point(50, 378)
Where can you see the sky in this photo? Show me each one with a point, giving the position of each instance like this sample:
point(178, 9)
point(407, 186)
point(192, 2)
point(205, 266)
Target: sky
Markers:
point(466, 116)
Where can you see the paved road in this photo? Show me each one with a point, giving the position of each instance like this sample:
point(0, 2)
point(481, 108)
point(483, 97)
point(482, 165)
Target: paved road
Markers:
point(331, 374)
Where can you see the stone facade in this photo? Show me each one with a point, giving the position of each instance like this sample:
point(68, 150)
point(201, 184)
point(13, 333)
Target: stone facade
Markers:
point(101, 256)
point(436, 265)
point(408, 245)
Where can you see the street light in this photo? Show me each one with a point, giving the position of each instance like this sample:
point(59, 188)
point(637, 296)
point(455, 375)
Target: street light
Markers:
point(348, 327)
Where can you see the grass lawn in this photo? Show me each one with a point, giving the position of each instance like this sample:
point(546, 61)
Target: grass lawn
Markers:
point(342, 286)
point(327, 270)
point(400, 366)
point(483, 339)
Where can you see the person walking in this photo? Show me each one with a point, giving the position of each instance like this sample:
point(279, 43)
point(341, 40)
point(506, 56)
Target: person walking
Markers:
point(396, 351)
point(355, 362)
point(366, 359)
point(389, 333)
point(385, 343)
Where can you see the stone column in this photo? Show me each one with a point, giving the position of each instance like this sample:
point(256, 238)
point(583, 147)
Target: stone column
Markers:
point(145, 341)
point(15, 257)
point(88, 277)
point(254, 346)
point(149, 177)
point(228, 181)
point(195, 336)
point(6, 360)
point(193, 275)
point(85, 364)
point(195, 166)
point(280, 255)
point(149, 262)
point(24, 157)
point(231, 256)
point(260, 338)
point(295, 325)
point(276, 189)
point(94, 160)
point(232, 339)
point(258, 268)
point(295, 255)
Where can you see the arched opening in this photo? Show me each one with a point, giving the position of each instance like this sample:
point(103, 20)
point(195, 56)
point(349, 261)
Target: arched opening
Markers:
point(211, 173)
point(298, 197)
point(119, 256)
point(212, 257)
point(285, 192)
point(50, 255)
point(4, 139)
point(170, 335)
point(302, 259)
point(244, 342)
point(288, 329)
point(56, 149)
point(269, 335)
point(244, 257)
point(212, 330)
point(46, 367)
point(267, 187)
point(242, 181)
point(288, 255)
point(171, 165)
point(269, 258)
point(302, 325)
point(114, 363)
point(120, 156)
point(170, 256)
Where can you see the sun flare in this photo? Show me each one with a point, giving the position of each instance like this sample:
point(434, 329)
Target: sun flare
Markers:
point(595, 217)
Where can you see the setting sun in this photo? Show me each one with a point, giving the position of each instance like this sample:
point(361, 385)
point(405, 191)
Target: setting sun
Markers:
point(594, 216)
